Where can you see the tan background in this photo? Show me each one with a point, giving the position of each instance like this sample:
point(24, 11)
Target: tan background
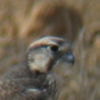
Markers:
point(22, 21)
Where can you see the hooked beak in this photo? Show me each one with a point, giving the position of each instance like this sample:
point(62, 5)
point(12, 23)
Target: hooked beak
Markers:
point(69, 58)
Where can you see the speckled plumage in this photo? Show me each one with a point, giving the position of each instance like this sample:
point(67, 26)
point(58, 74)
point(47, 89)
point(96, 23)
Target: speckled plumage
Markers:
point(32, 79)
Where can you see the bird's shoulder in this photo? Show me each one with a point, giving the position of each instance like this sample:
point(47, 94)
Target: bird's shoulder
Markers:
point(20, 70)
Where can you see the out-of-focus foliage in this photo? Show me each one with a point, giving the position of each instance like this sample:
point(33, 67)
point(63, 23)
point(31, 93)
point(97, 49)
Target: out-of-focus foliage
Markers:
point(22, 21)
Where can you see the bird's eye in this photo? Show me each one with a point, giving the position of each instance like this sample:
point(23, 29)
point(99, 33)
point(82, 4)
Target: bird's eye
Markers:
point(54, 48)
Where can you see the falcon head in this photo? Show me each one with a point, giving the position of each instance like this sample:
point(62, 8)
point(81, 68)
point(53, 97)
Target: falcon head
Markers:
point(44, 54)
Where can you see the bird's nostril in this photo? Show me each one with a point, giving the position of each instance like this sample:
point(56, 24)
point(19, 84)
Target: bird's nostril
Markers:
point(69, 53)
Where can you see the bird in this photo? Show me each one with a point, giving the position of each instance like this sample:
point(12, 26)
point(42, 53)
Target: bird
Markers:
point(34, 78)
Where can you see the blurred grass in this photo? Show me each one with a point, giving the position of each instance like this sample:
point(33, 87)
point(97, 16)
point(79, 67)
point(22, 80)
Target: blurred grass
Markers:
point(22, 21)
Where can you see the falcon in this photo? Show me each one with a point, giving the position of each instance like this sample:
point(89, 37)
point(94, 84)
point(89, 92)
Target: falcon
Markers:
point(34, 78)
